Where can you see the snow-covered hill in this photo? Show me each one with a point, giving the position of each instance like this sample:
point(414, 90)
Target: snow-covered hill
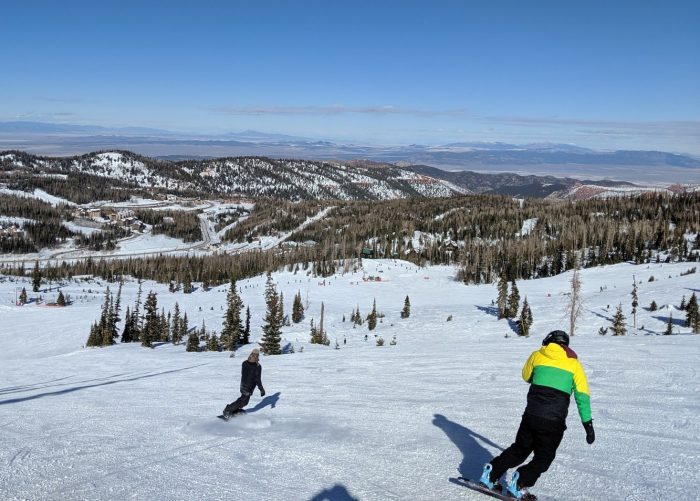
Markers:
point(362, 422)
point(243, 176)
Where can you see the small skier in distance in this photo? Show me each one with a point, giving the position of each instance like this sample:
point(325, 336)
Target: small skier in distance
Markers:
point(553, 372)
point(251, 372)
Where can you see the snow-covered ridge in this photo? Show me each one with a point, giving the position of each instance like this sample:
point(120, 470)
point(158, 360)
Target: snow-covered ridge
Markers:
point(248, 176)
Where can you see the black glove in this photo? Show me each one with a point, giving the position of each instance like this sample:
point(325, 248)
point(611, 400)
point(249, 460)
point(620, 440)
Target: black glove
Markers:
point(262, 393)
point(590, 433)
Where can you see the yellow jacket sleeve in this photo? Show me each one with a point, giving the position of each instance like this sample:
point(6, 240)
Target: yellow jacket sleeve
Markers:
point(529, 367)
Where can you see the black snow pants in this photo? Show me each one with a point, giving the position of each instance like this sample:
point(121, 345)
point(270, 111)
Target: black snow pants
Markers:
point(238, 404)
point(538, 435)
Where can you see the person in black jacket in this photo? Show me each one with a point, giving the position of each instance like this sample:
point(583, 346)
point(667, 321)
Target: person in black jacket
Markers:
point(251, 372)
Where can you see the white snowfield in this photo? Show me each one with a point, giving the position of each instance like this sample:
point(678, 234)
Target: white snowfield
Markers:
point(361, 422)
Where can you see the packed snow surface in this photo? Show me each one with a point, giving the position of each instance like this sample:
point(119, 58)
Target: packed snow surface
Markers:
point(360, 422)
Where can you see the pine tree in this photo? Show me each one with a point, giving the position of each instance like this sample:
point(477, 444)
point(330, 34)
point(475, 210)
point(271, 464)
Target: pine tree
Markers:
point(246, 331)
point(297, 309)
point(128, 332)
point(105, 326)
point(669, 325)
point(683, 305)
point(372, 317)
point(691, 311)
point(151, 330)
point(184, 326)
point(653, 306)
point(272, 333)
point(513, 301)
point(502, 301)
point(187, 284)
point(406, 312)
point(36, 277)
point(281, 308)
point(635, 301)
point(23, 296)
point(525, 319)
point(213, 343)
point(618, 326)
point(93, 339)
point(193, 341)
point(163, 327)
point(60, 300)
point(117, 309)
point(232, 327)
point(136, 314)
point(175, 325)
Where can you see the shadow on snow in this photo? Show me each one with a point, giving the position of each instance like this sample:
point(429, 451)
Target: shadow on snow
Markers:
point(467, 441)
point(84, 387)
point(270, 401)
point(336, 493)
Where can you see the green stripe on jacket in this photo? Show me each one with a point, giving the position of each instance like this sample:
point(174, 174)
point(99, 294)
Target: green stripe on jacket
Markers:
point(553, 377)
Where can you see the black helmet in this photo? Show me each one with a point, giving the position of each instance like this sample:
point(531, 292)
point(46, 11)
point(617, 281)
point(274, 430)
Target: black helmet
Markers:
point(559, 337)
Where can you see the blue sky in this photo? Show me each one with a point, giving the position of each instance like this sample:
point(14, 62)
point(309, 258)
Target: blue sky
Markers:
point(600, 74)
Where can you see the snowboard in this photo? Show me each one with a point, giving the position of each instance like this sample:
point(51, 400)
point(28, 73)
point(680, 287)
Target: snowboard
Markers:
point(478, 487)
point(239, 412)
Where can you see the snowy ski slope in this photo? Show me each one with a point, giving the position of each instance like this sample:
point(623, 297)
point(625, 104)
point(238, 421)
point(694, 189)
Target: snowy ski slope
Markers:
point(362, 422)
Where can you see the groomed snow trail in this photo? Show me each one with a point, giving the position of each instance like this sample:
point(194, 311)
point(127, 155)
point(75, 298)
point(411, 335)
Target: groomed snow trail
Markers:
point(374, 423)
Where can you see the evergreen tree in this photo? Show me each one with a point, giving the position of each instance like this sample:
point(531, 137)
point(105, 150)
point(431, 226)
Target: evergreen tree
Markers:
point(653, 306)
point(117, 309)
point(23, 296)
point(187, 284)
point(272, 333)
point(128, 332)
point(525, 319)
point(372, 317)
point(281, 309)
point(163, 327)
point(683, 305)
point(406, 312)
point(232, 327)
point(105, 326)
point(193, 341)
point(669, 325)
point(635, 301)
point(93, 339)
point(691, 311)
point(184, 326)
point(60, 300)
point(246, 331)
point(175, 326)
point(297, 309)
point(502, 301)
point(513, 301)
point(36, 277)
point(618, 326)
point(151, 327)
point(213, 343)
point(136, 313)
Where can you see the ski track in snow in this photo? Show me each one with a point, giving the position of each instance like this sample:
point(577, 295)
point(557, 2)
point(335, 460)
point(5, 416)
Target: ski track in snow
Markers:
point(377, 423)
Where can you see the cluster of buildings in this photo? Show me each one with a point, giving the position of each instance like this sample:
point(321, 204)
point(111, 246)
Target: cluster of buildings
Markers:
point(105, 216)
point(11, 230)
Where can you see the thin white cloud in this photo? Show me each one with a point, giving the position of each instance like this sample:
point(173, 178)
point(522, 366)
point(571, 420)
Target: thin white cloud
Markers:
point(334, 110)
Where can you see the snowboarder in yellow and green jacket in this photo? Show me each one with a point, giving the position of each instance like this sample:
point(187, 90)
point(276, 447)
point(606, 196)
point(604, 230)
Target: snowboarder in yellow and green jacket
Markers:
point(554, 374)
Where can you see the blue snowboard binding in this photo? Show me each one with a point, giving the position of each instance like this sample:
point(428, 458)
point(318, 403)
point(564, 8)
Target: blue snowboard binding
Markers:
point(485, 479)
point(518, 493)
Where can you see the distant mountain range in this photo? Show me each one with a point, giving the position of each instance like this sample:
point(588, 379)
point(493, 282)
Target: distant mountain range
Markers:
point(542, 159)
point(253, 177)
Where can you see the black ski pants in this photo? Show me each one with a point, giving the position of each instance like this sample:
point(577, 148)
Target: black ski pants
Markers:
point(238, 404)
point(538, 435)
